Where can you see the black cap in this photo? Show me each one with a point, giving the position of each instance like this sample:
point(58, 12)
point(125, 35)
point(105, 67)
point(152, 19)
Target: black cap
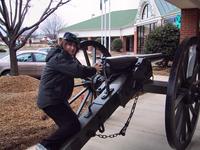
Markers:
point(71, 38)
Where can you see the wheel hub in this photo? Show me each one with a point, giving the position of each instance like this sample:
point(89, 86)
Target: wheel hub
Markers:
point(195, 93)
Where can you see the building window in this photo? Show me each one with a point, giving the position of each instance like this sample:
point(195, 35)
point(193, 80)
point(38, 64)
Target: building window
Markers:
point(152, 26)
point(146, 13)
point(142, 33)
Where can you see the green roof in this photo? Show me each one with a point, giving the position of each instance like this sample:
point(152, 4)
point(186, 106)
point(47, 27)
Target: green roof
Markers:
point(119, 19)
point(166, 8)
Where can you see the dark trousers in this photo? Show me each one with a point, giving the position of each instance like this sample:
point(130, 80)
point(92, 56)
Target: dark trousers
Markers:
point(67, 122)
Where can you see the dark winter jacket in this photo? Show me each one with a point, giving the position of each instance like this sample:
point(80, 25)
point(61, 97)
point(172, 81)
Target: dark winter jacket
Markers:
point(57, 79)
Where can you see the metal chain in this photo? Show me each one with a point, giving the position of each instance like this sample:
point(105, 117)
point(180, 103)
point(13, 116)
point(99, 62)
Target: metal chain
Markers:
point(123, 130)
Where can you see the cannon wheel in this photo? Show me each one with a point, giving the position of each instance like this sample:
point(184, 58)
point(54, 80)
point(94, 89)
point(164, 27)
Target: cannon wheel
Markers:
point(88, 89)
point(183, 95)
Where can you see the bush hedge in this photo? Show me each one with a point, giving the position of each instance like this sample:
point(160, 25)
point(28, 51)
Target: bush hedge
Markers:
point(163, 39)
point(116, 44)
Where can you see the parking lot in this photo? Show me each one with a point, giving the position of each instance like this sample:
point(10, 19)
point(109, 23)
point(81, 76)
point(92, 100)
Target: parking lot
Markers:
point(2, 54)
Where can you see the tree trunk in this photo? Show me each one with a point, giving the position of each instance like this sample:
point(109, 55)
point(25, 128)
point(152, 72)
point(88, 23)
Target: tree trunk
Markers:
point(13, 62)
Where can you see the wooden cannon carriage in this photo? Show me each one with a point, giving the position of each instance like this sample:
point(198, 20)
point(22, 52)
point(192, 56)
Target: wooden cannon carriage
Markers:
point(124, 77)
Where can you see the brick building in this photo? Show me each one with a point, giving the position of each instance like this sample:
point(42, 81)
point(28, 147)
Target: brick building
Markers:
point(151, 14)
point(190, 20)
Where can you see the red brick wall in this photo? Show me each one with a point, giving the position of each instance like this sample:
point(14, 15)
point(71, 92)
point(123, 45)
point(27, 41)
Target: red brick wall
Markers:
point(135, 42)
point(189, 23)
point(124, 46)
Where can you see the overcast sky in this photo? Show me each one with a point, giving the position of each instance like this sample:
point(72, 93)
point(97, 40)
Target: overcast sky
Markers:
point(79, 10)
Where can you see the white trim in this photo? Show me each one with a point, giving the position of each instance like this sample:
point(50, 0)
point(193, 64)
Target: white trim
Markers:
point(148, 21)
point(154, 10)
point(94, 33)
point(128, 31)
point(97, 33)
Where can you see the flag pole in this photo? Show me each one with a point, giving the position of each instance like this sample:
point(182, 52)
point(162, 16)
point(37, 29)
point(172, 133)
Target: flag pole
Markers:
point(109, 23)
point(105, 25)
point(102, 23)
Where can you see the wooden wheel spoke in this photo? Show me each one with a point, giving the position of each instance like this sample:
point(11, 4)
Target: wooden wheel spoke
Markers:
point(83, 102)
point(192, 79)
point(183, 71)
point(188, 120)
point(183, 127)
point(77, 95)
point(86, 58)
point(179, 99)
point(183, 133)
point(81, 84)
point(194, 109)
point(182, 75)
point(178, 119)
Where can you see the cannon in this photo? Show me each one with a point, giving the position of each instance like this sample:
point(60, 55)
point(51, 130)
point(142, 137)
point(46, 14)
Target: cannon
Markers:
point(124, 77)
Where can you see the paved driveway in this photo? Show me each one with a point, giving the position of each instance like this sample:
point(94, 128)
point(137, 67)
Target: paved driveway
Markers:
point(2, 54)
point(146, 130)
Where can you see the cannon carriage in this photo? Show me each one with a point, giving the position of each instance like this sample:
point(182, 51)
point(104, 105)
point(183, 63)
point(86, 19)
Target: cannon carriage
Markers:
point(124, 77)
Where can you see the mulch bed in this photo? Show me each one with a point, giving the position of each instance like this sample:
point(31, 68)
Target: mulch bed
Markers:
point(161, 71)
point(22, 124)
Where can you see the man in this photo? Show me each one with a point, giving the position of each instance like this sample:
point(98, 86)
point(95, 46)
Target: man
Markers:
point(56, 87)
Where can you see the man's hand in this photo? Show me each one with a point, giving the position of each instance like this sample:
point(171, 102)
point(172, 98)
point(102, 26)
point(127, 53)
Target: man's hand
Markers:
point(98, 67)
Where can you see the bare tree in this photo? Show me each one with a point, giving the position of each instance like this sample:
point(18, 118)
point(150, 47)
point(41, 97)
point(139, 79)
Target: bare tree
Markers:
point(52, 25)
point(12, 15)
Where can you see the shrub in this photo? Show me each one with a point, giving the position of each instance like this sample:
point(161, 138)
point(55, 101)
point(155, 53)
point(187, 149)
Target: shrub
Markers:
point(98, 40)
point(164, 39)
point(116, 44)
point(2, 50)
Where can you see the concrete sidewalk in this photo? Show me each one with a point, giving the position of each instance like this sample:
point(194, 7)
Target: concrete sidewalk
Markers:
point(146, 130)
